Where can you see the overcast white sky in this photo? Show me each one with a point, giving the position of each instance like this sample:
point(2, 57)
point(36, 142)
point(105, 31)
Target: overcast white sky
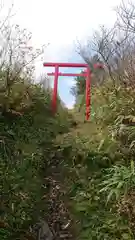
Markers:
point(60, 23)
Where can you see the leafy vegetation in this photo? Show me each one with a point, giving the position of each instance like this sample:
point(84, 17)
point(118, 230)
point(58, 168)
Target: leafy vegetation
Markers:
point(25, 145)
point(61, 162)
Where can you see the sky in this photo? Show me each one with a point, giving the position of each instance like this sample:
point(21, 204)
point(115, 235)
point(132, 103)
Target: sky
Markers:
point(61, 23)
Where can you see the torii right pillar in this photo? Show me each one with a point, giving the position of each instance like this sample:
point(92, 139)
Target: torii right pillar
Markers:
point(88, 93)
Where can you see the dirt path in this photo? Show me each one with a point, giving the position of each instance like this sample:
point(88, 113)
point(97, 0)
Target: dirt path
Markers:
point(59, 217)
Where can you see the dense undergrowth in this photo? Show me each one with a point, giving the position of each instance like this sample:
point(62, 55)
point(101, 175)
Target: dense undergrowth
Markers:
point(27, 132)
point(86, 166)
point(100, 157)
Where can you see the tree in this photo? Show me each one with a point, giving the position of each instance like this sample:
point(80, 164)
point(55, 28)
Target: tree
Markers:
point(115, 47)
point(17, 65)
point(98, 76)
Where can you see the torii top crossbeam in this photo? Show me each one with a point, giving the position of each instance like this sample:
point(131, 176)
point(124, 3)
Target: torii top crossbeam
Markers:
point(86, 74)
point(75, 65)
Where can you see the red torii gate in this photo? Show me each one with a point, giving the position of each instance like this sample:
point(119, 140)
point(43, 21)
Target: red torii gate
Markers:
point(86, 74)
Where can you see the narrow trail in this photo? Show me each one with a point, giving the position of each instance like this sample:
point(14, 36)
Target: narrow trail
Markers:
point(59, 218)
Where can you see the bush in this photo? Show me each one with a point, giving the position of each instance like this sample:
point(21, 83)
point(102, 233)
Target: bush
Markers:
point(27, 131)
point(101, 166)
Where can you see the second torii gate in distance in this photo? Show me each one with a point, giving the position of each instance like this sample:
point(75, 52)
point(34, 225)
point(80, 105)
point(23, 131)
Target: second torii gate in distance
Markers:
point(86, 74)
